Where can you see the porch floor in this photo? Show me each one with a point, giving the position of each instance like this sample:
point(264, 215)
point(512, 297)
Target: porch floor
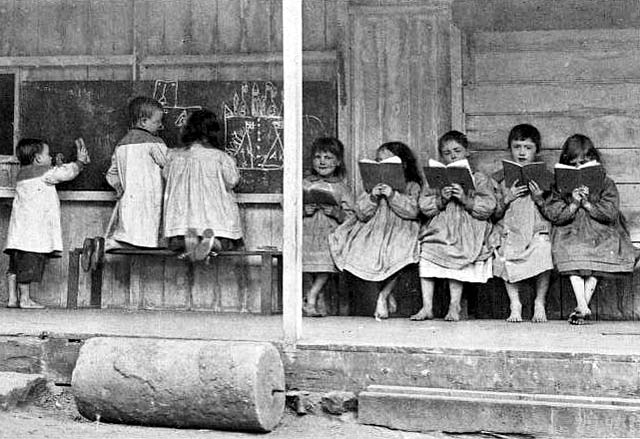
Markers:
point(601, 337)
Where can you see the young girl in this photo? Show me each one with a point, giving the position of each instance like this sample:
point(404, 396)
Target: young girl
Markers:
point(320, 220)
point(34, 228)
point(200, 209)
point(382, 238)
point(523, 247)
point(453, 242)
point(589, 238)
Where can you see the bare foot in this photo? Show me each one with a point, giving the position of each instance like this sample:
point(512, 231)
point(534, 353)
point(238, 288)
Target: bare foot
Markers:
point(381, 310)
point(423, 314)
point(539, 314)
point(30, 304)
point(310, 311)
point(454, 313)
point(393, 305)
point(516, 313)
point(13, 305)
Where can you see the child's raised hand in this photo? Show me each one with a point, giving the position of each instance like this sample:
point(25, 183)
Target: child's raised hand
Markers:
point(535, 189)
point(585, 194)
point(81, 149)
point(515, 191)
point(578, 195)
point(309, 209)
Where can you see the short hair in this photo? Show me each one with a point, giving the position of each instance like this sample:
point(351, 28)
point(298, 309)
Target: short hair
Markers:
point(27, 149)
point(202, 125)
point(523, 132)
point(142, 107)
point(578, 145)
point(335, 147)
point(455, 136)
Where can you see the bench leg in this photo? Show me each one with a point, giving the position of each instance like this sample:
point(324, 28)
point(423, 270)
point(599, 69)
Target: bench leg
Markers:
point(73, 274)
point(95, 301)
point(266, 284)
point(278, 291)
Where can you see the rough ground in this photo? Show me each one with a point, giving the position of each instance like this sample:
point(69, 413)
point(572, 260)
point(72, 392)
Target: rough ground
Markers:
point(54, 415)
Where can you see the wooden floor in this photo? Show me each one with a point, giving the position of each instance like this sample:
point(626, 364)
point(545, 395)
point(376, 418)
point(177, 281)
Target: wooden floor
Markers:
point(361, 332)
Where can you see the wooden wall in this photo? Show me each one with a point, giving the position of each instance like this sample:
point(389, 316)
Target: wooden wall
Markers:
point(563, 82)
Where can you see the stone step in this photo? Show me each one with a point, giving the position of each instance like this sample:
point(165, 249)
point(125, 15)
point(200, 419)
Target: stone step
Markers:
point(19, 388)
point(435, 409)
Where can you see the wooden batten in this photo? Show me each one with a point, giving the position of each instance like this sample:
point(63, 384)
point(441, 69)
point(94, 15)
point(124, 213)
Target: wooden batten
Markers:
point(67, 61)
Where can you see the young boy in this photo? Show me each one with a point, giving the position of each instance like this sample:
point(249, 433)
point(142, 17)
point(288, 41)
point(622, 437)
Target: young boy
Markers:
point(136, 175)
point(34, 228)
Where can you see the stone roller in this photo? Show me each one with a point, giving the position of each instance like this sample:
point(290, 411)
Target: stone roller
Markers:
point(180, 383)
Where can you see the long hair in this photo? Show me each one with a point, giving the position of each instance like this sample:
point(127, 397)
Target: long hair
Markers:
point(409, 161)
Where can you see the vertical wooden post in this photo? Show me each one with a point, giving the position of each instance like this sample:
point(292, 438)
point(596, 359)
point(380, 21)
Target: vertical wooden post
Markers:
point(292, 184)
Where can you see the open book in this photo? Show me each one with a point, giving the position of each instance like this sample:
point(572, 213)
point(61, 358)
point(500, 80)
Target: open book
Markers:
point(318, 193)
point(590, 174)
point(439, 175)
point(388, 171)
point(536, 171)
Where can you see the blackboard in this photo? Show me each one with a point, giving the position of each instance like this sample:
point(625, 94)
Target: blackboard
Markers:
point(6, 113)
point(249, 113)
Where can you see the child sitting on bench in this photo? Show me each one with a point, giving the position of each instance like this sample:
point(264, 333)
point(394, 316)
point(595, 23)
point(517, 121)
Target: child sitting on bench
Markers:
point(200, 210)
point(34, 232)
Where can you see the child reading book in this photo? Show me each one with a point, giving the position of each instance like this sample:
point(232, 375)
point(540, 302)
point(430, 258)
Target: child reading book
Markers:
point(521, 234)
point(327, 203)
point(382, 238)
point(454, 240)
point(589, 239)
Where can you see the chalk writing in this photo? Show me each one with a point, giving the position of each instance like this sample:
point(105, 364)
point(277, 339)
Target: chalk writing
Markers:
point(166, 92)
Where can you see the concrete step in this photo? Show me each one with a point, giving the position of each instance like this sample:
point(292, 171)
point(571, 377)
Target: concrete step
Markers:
point(435, 409)
point(19, 388)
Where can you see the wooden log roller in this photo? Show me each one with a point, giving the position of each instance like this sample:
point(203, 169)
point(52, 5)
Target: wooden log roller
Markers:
point(180, 383)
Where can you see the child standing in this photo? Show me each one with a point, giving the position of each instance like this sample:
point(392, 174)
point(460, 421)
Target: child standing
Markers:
point(523, 248)
point(589, 238)
point(34, 228)
point(382, 238)
point(454, 241)
point(319, 220)
point(136, 175)
point(200, 209)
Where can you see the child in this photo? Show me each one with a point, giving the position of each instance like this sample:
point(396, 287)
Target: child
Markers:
point(34, 228)
point(454, 241)
point(382, 238)
point(136, 175)
point(320, 220)
point(589, 238)
point(523, 248)
point(200, 209)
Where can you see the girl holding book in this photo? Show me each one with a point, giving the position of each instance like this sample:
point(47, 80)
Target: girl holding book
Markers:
point(589, 239)
point(382, 238)
point(454, 240)
point(327, 203)
point(521, 234)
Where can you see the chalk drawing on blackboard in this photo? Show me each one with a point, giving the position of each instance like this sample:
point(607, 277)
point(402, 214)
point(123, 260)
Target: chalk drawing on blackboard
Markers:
point(166, 92)
point(253, 127)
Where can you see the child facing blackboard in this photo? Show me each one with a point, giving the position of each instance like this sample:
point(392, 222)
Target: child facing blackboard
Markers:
point(200, 209)
point(34, 232)
point(136, 175)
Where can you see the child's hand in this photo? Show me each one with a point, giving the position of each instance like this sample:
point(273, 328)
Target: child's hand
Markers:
point(385, 190)
point(82, 153)
point(535, 189)
point(309, 209)
point(585, 194)
point(458, 193)
point(59, 161)
point(578, 195)
point(446, 193)
point(327, 209)
point(514, 192)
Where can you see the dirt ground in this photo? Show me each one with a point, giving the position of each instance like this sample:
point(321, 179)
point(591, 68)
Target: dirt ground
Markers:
point(54, 415)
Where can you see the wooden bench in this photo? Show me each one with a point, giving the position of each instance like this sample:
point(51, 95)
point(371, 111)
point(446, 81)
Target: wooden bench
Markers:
point(95, 301)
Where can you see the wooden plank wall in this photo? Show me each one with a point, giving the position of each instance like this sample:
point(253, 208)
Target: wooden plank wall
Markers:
point(245, 33)
point(563, 82)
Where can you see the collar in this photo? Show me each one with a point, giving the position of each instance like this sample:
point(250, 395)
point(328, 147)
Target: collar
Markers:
point(332, 179)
